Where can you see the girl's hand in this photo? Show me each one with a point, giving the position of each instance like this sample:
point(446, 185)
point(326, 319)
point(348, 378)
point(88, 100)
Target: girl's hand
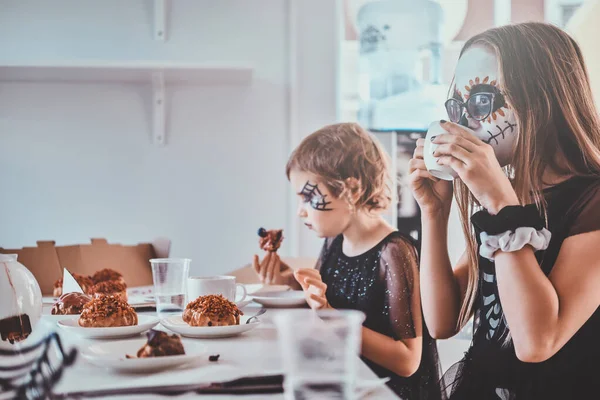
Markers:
point(313, 286)
point(476, 165)
point(269, 269)
point(433, 195)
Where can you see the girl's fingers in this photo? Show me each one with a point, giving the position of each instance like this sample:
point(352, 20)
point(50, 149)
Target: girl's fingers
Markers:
point(422, 174)
point(447, 138)
point(461, 131)
point(264, 266)
point(319, 299)
point(309, 272)
point(416, 163)
point(300, 280)
point(271, 269)
point(267, 257)
point(452, 162)
point(418, 153)
point(319, 284)
point(454, 150)
point(256, 264)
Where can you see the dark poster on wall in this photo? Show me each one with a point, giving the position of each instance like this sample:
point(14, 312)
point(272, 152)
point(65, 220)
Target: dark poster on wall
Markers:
point(409, 215)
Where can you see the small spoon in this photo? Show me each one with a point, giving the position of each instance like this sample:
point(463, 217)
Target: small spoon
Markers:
point(260, 312)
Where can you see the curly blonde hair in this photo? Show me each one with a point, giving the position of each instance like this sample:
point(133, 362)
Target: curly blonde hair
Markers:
point(349, 161)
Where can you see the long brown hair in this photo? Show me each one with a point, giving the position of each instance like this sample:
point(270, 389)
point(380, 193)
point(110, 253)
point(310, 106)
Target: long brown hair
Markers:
point(545, 81)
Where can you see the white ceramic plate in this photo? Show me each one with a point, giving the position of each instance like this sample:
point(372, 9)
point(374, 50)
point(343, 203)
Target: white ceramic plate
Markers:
point(288, 298)
point(134, 301)
point(149, 302)
point(259, 288)
point(177, 325)
point(55, 318)
point(112, 355)
point(144, 323)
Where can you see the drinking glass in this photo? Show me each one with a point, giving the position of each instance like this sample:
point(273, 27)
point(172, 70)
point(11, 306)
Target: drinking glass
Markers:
point(320, 351)
point(170, 277)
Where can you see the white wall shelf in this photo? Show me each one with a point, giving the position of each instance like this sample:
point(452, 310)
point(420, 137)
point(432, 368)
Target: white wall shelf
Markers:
point(130, 71)
point(160, 20)
point(158, 75)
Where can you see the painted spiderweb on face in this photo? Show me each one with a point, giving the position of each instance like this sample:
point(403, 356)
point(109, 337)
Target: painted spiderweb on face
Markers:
point(313, 195)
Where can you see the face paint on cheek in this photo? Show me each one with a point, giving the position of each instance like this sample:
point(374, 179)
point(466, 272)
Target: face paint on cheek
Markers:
point(314, 197)
point(487, 113)
point(319, 203)
point(500, 133)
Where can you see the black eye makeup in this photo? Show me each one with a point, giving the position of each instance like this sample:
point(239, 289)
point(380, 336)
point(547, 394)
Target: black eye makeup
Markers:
point(312, 195)
point(482, 101)
point(486, 88)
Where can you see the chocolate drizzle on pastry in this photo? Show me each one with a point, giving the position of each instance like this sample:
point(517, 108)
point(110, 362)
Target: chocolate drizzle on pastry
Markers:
point(114, 288)
point(212, 310)
point(107, 311)
point(108, 274)
point(70, 303)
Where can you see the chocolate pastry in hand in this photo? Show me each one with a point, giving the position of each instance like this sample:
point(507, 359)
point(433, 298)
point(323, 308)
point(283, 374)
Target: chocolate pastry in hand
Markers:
point(85, 282)
point(108, 274)
point(114, 288)
point(212, 310)
point(270, 240)
point(70, 303)
point(160, 344)
point(107, 311)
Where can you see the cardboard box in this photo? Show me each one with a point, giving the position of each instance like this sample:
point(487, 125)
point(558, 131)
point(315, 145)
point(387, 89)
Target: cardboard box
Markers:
point(46, 261)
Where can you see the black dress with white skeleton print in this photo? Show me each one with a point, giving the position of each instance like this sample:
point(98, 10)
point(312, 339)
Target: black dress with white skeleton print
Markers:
point(491, 369)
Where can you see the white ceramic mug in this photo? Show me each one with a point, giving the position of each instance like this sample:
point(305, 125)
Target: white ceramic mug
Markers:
point(439, 171)
point(221, 284)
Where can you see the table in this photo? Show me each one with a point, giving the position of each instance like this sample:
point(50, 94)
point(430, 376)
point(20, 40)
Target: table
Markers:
point(252, 353)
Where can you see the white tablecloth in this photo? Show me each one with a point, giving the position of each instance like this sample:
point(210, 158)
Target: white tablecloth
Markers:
point(252, 353)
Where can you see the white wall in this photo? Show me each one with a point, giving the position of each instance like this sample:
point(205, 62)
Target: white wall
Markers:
point(77, 160)
point(585, 29)
point(317, 47)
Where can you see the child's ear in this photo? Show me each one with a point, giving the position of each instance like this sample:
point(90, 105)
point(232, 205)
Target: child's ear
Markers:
point(351, 207)
point(353, 192)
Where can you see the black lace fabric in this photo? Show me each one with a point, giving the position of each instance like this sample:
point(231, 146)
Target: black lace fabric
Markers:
point(381, 283)
point(491, 369)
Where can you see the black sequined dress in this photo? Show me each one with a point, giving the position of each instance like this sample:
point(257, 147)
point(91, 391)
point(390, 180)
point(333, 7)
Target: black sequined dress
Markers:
point(491, 369)
point(380, 283)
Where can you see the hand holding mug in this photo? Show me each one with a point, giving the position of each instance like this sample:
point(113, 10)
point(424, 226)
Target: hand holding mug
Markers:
point(475, 163)
point(434, 195)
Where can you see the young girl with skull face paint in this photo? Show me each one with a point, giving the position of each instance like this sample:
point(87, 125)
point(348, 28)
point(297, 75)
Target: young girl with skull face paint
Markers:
point(524, 139)
point(340, 175)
